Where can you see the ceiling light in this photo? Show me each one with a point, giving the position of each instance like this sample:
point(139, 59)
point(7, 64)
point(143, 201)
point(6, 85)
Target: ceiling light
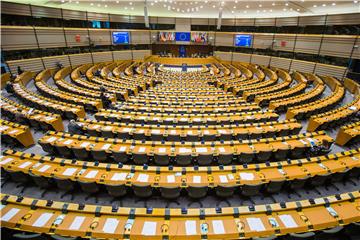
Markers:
point(264, 10)
point(91, 4)
point(105, 5)
point(125, 8)
point(270, 10)
point(245, 11)
point(356, 1)
point(213, 6)
point(77, 2)
point(324, 5)
point(286, 4)
point(130, 3)
point(236, 1)
point(260, 5)
point(273, 4)
point(152, 4)
point(117, 1)
point(247, 6)
point(284, 9)
point(234, 7)
point(315, 6)
point(62, 1)
point(98, 4)
point(232, 11)
point(333, 4)
point(257, 11)
point(298, 10)
point(132, 8)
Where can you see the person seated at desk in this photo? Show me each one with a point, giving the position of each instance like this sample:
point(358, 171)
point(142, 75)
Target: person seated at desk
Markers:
point(105, 99)
point(19, 116)
point(59, 65)
point(75, 128)
point(97, 73)
point(19, 70)
point(321, 149)
point(9, 85)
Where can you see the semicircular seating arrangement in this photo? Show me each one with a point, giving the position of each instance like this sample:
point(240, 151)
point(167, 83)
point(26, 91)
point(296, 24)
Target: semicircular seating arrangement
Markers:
point(136, 149)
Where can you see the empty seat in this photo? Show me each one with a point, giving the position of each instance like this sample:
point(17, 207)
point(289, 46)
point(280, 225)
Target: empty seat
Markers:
point(65, 184)
point(161, 160)
point(250, 190)
point(116, 190)
point(183, 160)
point(224, 191)
point(99, 155)
point(170, 192)
point(140, 158)
point(197, 191)
point(143, 191)
point(80, 153)
point(89, 187)
point(274, 186)
point(204, 159)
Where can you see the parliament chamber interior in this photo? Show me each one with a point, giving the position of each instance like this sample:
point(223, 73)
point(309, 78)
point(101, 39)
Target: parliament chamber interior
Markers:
point(179, 119)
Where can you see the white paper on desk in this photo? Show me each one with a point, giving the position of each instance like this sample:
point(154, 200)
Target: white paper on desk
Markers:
point(122, 149)
point(3, 128)
point(143, 177)
point(91, 174)
point(5, 161)
point(85, 144)
point(25, 164)
point(110, 225)
point(126, 129)
point(155, 131)
point(10, 214)
point(69, 171)
point(77, 222)
point(206, 132)
point(218, 226)
point(201, 150)
point(255, 224)
point(223, 179)
point(68, 141)
point(190, 227)
point(162, 150)
point(149, 229)
point(43, 219)
point(106, 146)
point(222, 131)
point(246, 176)
point(44, 168)
point(13, 131)
point(1, 207)
point(230, 176)
point(170, 178)
point(221, 149)
point(51, 139)
point(288, 221)
point(196, 179)
point(184, 150)
point(118, 176)
point(142, 149)
point(107, 128)
point(190, 132)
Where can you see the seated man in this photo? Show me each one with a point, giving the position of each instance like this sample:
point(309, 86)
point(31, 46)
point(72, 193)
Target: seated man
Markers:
point(324, 148)
point(75, 128)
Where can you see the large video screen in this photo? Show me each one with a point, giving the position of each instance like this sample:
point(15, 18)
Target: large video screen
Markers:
point(166, 36)
point(199, 37)
point(182, 36)
point(242, 40)
point(121, 37)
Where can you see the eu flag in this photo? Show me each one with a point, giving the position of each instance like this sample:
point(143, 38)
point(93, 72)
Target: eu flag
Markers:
point(182, 36)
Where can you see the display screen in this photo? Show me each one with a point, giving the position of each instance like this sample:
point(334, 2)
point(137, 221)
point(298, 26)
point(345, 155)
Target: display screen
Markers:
point(182, 36)
point(199, 37)
point(166, 36)
point(121, 37)
point(243, 40)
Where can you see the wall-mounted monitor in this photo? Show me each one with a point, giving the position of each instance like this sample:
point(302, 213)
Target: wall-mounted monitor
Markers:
point(121, 37)
point(199, 37)
point(166, 36)
point(243, 40)
point(182, 36)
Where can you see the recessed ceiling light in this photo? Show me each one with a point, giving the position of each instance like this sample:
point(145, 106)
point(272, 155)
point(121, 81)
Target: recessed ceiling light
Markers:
point(324, 5)
point(152, 4)
point(286, 4)
point(273, 4)
point(257, 11)
point(284, 9)
point(91, 4)
point(236, 1)
point(130, 3)
point(125, 8)
point(333, 4)
point(356, 1)
point(234, 7)
point(247, 6)
point(117, 1)
point(270, 10)
point(98, 4)
point(315, 6)
point(77, 2)
point(260, 5)
point(232, 11)
point(105, 5)
point(213, 6)
point(298, 10)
